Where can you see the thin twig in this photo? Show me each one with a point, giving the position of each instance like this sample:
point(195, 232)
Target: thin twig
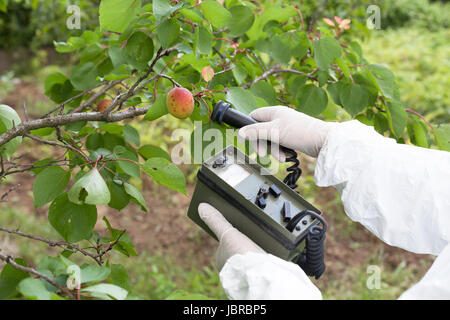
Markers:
point(2, 199)
point(56, 144)
point(274, 70)
point(10, 260)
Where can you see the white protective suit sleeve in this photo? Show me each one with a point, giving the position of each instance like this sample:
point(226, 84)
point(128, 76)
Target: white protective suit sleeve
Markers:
point(401, 193)
point(262, 276)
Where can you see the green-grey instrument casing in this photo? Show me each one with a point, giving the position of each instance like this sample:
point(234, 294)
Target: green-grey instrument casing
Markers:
point(233, 189)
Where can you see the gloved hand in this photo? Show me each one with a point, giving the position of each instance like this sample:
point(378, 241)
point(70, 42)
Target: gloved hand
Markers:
point(248, 271)
point(294, 130)
point(231, 241)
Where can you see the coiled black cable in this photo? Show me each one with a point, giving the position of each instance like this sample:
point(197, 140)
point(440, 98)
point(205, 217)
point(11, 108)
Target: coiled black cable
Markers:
point(294, 171)
point(311, 260)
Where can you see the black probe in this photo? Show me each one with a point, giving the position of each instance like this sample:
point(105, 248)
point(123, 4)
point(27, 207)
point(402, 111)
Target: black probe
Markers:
point(224, 113)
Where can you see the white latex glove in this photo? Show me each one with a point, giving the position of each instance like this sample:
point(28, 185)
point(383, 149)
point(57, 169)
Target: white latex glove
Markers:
point(231, 241)
point(289, 128)
point(248, 272)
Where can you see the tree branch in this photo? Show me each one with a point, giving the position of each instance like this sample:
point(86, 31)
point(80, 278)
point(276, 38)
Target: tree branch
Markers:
point(56, 144)
point(55, 121)
point(62, 244)
point(274, 70)
point(10, 260)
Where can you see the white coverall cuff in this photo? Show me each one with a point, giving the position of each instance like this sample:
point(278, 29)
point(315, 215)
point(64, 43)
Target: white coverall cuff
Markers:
point(261, 276)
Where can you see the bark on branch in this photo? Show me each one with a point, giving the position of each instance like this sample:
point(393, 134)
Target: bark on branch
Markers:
point(10, 260)
point(60, 120)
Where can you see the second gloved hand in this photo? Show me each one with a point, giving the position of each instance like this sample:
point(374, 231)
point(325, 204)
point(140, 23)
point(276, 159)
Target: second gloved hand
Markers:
point(231, 241)
point(248, 272)
point(289, 128)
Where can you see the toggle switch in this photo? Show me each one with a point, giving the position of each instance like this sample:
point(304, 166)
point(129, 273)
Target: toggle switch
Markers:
point(261, 202)
point(221, 162)
point(263, 192)
point(274, 191)
point(286, 211)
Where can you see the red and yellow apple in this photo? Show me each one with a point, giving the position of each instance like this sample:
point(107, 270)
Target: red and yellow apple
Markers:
point(103, 105)
point(180, 103)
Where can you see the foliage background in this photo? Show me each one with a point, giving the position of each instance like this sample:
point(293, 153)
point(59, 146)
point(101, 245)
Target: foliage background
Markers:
point(413, 43)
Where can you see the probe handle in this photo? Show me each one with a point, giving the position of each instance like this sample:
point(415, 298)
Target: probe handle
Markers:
point(223, 113)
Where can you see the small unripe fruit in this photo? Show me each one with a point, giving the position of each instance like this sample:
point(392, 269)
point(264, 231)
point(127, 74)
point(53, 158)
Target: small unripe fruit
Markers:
point(180, 103)
point(103, 105)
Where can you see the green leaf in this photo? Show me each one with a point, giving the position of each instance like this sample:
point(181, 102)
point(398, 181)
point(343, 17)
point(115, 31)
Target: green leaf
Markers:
point(215, 13)
point(325, 51)
point(157, 109)
point(443, 136)
point(365, 79)
point(136, 195)
point(124, 244)
point(279, 50)
point(312, 100)
point(264, 90)
point(162, 9)
point(54, 265)
point(149, 151)
point(295, 83)
point(381, 124)
point(49, 184)
point(335, 89)
point(129, 166)
point(84, 76)
point(119, 197)
point(90, 189)
point(384, 79)
point(299, 43)
point(239, 73)
point(8, 119)
point(106, 291)
point(131, 135)
point(192, 15)
point(165, 173)
point(34, 289)
point(118, 56)
point(397, 117)
point(72, 221)
point(203, 40)
point(94, 273)
point(420, 137)
point(168, 32)
point(113, 128)
point(58, 87)
point(119, 276)
point(354, 98)
point(10, 278)
point(344, 67)
point(194, 62)
point(242, 19)
point(241, 99)
point(140, 47)
point(42, 132)
point(116, 15)
point(271, 12)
